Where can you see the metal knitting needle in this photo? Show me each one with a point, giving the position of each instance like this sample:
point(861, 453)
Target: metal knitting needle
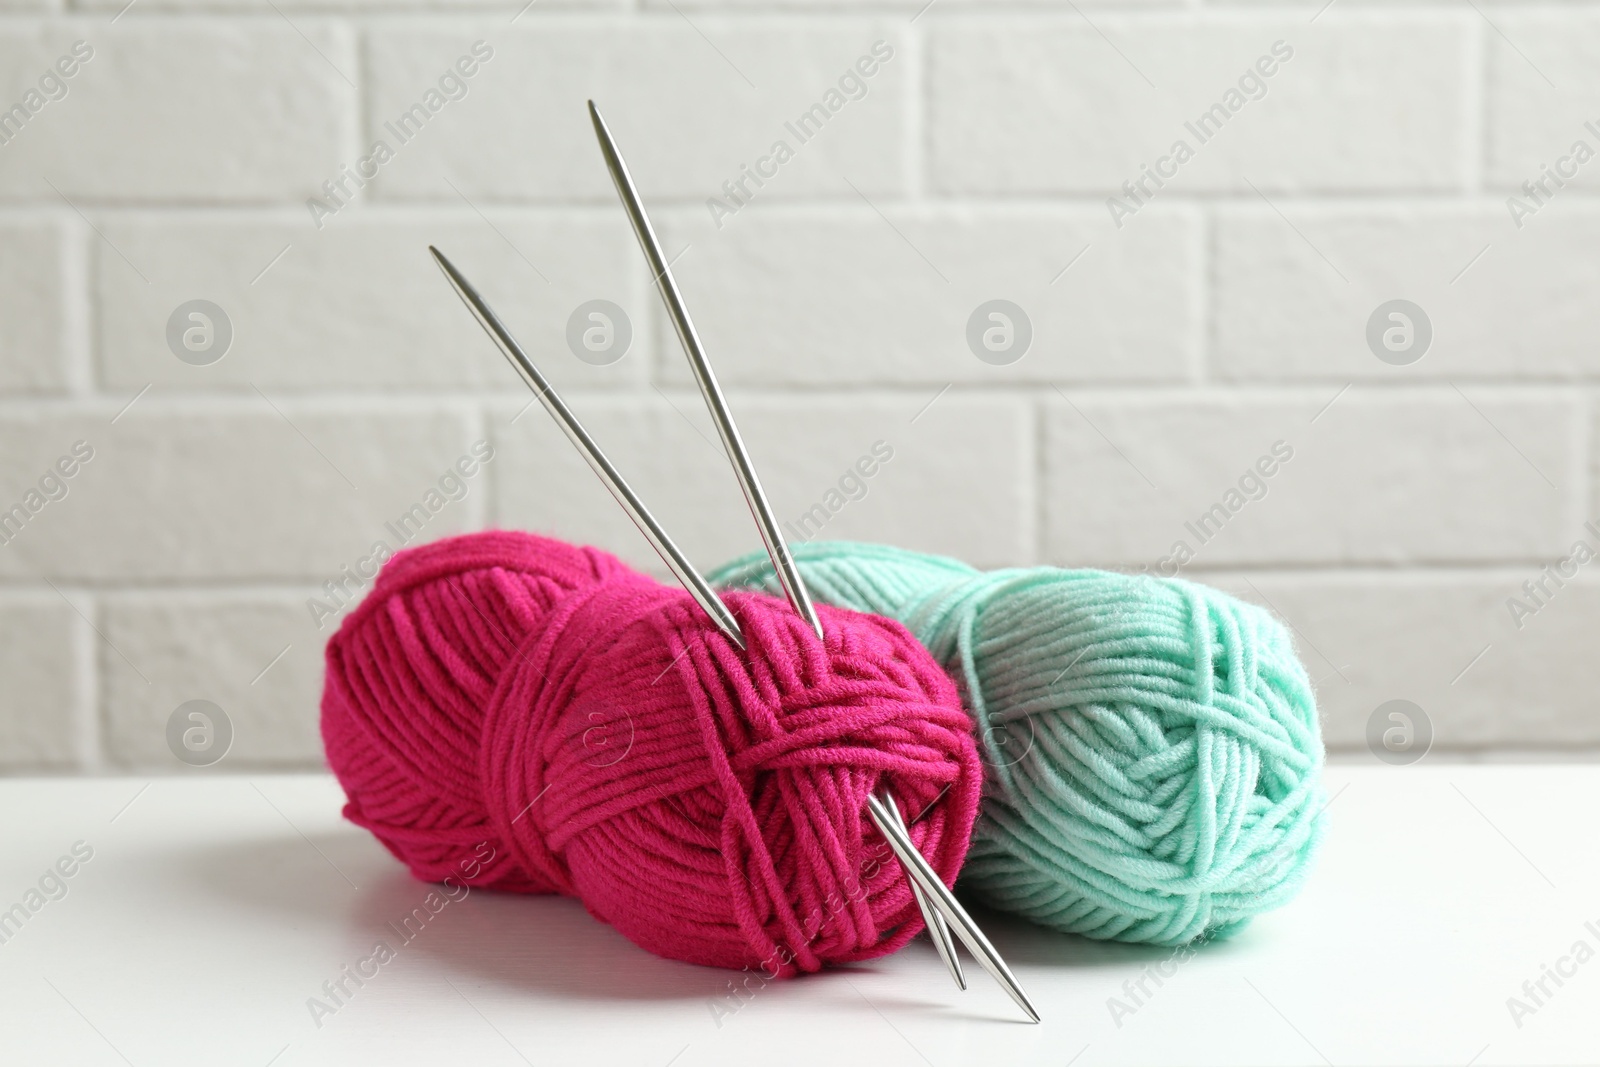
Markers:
point(766, 521)
point(918, 869)
point(938, 930)
point(674, 558)
point(777, 548)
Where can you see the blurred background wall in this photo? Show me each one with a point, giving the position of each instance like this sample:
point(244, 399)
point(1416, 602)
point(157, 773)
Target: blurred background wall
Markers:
point(1198, 367)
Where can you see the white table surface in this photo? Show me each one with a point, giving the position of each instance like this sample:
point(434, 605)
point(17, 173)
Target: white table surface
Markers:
point(214, 907)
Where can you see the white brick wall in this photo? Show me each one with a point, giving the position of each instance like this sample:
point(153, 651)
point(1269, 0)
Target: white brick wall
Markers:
point(1226, 312)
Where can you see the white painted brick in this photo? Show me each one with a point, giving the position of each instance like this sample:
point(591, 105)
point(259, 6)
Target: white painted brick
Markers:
point(1399, 636)
point(34, 283)
point(199, 494)
point(172, 648)
point(1377, 478)
point(687, 110)
point(847, 296)
point(1522, 310)
point(209, 111)
point(361, 304)
point(1543, 86)
point(957, 483)
point(40, 693)
point(1028, 105)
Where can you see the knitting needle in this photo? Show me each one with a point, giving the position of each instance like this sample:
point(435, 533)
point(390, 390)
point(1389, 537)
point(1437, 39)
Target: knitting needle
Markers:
point(760, 507)
point(919, 870)
point(938, 929)
point(777, 548)
point(669, 552)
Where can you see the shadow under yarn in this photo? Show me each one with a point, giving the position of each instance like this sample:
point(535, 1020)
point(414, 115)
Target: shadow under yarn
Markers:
point(1151, 746)
point(545, 946)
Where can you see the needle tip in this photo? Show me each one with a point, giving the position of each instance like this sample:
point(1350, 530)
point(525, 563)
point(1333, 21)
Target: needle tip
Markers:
point(451, 275)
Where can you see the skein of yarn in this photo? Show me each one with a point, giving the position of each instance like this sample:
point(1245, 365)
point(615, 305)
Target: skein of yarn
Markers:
point(609, 743)
point(1151, 747)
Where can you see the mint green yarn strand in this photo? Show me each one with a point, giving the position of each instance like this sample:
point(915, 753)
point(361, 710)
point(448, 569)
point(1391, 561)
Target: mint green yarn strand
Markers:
point(1152, 751)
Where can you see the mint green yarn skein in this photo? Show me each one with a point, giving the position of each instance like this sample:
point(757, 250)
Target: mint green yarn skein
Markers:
point(1152, 753)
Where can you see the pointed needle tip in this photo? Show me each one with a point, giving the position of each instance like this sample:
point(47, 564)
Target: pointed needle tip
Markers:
point(916, 867)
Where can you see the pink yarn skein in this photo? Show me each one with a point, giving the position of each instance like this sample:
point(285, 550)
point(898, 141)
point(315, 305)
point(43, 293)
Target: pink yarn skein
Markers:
point(595, 728)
